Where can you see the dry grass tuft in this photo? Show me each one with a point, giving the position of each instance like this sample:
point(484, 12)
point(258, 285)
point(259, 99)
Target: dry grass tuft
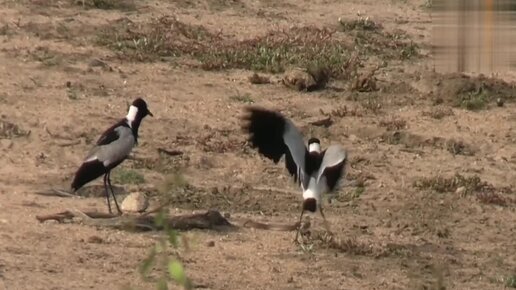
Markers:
point(442, 184)
point(10, 130)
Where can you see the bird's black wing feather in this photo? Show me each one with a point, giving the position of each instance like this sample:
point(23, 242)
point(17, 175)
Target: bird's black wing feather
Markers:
point(266, 132)
point(111, 134)
point(274, 136)
point(291, 166)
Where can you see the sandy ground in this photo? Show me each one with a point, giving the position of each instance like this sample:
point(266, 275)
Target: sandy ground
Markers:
point(399, 236)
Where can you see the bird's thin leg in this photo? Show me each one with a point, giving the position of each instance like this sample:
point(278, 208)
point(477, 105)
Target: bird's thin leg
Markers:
point(326, 223)
point(112, 192)
point(107, 192)
point(299, 227)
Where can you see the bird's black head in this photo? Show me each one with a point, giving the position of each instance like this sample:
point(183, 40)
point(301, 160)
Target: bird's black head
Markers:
point(310, 204)
point(314, 144)
point(314, 140)
point(141, 105)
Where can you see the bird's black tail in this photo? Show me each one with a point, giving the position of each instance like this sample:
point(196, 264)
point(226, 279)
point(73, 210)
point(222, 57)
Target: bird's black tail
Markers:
point(87, 172)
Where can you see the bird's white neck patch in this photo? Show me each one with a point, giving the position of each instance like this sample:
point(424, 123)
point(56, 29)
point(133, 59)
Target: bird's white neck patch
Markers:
point(131, 115)
point(310, 193)
point(314, 147)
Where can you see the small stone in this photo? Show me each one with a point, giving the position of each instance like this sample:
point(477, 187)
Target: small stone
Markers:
point(499, 102)
point(210, 244)
point(135, 202)
point(461, 190)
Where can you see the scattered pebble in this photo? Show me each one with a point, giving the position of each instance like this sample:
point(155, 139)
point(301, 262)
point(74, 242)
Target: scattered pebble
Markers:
point(500, 102)
point(210, 244)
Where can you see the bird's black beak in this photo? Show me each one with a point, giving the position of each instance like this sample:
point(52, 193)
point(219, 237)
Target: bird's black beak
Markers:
point(149, 113)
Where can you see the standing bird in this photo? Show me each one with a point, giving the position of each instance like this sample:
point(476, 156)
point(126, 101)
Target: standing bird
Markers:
point(112, 148)
point(315, 171)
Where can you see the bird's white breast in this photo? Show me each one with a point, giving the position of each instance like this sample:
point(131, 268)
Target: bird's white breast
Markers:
point(315, 189)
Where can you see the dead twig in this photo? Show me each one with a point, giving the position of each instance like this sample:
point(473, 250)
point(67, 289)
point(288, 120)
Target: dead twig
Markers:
point(58, 193)
point(67, 144)
point(326, 122)
point(170, 152)
point(274, 227)
point(207, 220)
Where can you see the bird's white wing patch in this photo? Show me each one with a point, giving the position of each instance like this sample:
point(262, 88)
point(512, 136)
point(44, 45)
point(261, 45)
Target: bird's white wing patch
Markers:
point(334, 155)
point(314, 190)
point(91, 158)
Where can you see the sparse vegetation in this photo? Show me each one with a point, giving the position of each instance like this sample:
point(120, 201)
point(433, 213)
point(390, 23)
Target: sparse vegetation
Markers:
point(473, 93)
point(510, 282)
point(127, 176)
point(316, 49)
point(442, 184)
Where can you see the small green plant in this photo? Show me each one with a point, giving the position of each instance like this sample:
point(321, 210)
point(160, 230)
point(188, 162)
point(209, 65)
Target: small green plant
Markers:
point(474, 101)
point(128, 176)
point(510, 282)
point(171, 267)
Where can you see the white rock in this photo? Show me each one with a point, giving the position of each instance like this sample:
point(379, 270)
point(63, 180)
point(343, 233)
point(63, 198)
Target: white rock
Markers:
point(461, 190)
point(135, 202)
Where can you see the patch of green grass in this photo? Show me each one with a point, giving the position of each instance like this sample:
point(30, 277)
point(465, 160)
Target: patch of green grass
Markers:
point(510, 282)
point(474, 101)
point(128, 176)
point(442, 184)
